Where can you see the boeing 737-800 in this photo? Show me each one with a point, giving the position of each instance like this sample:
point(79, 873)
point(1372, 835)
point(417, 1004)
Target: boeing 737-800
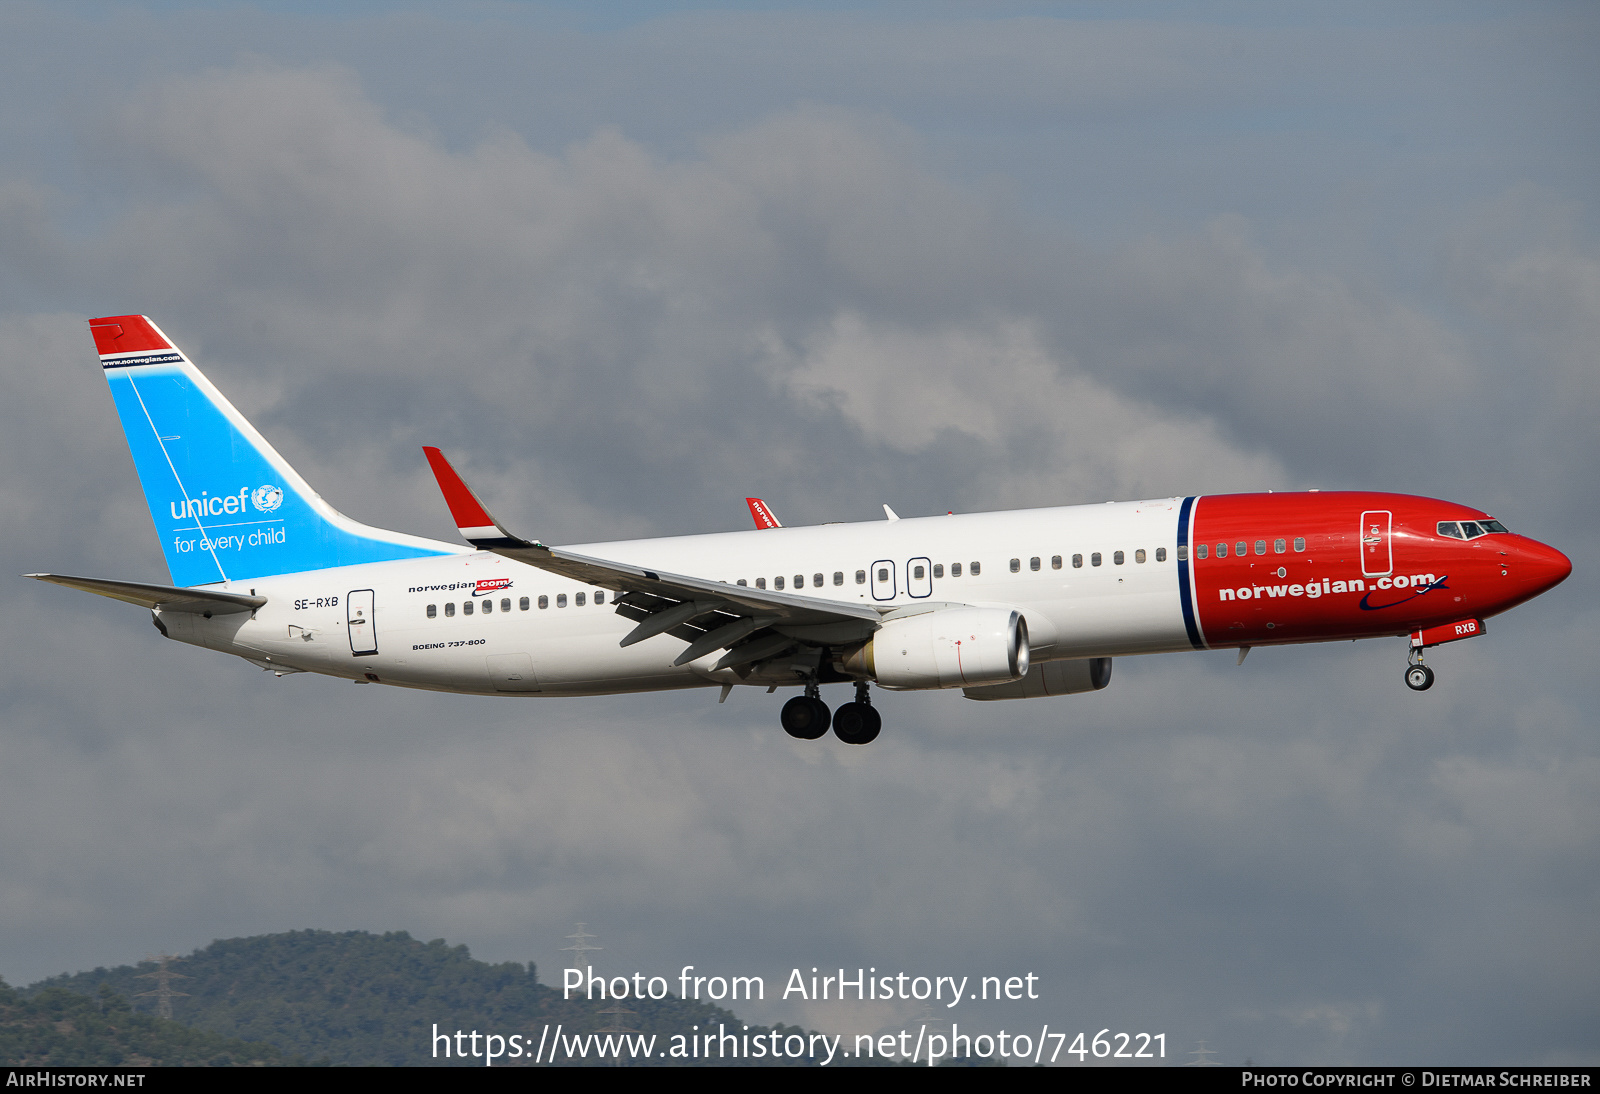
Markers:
point(1008, 605)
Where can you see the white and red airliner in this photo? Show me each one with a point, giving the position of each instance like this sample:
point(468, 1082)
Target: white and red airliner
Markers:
point(1011, 605)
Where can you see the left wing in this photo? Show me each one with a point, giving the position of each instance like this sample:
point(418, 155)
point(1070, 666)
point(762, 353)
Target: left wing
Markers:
point(752, 624)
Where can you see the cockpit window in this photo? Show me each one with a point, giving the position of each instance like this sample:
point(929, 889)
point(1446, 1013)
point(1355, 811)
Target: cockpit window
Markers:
point(1469, 529)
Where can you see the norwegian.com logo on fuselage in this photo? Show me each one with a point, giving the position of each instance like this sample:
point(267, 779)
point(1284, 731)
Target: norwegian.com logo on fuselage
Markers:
point(265, 499)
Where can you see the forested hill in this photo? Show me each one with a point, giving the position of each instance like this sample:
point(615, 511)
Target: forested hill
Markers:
point(359, 998)
point(63, 1029)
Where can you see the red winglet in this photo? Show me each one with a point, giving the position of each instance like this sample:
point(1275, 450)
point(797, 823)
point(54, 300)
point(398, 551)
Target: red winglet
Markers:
point(126, 334)
point(464, 505)
point(761, 514)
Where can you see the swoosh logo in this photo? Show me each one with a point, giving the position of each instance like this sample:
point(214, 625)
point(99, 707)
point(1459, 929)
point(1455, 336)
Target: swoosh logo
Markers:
point(1369, 607)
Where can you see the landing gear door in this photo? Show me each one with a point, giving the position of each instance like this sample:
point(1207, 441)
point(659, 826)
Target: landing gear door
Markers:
point(883, 580)
point(919, 580)
point(361, 624)
point(1377, 557)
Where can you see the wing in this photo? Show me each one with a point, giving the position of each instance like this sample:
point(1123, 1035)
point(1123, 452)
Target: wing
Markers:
point(168, 598)
point(753, 624)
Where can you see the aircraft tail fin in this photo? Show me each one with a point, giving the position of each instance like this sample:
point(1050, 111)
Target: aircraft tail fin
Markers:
point(226, 505)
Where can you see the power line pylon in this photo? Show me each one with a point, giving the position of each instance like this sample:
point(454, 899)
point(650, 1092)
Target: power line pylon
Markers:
point(163, 976)
point(580, 949)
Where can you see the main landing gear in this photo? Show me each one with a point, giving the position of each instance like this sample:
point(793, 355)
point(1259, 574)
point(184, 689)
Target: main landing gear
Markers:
point(1419, 677)
point(806, 717)
point(857, 723)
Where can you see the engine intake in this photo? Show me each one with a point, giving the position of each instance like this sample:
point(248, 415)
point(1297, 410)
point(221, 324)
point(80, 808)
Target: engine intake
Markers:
point(949, 648)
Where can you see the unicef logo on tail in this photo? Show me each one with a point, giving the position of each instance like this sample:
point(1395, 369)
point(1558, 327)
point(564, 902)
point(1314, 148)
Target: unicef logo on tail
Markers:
point(267, 498)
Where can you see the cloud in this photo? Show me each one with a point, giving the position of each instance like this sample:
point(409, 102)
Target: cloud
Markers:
point(615, 341)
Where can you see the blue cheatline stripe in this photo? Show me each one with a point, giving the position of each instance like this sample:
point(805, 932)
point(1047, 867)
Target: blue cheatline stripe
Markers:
point(1184, 596)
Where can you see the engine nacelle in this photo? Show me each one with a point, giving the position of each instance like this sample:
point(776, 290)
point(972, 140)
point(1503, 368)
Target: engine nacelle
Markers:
point(1051, 678)
point(948, 648)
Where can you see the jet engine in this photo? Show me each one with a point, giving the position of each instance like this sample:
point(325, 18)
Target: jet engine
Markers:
point(948, 648)
point(1051, 678)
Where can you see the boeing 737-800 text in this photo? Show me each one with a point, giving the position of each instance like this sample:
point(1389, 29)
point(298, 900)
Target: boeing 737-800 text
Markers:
point(1009, 605)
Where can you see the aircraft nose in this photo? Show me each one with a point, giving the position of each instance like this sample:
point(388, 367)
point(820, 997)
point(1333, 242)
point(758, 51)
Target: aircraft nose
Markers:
point(1543, 566)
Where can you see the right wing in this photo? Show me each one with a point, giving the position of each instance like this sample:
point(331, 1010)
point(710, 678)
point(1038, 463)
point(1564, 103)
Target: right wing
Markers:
point(752, 624)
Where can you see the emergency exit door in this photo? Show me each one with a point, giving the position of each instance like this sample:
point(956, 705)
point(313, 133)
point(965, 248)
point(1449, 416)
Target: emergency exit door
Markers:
point(359, 621)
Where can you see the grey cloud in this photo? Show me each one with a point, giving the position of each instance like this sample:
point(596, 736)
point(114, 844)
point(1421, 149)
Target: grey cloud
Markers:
point(1295, 857)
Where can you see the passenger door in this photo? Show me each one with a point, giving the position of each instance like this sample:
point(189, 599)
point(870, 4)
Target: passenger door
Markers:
point(360, 621)
point(1377, 557)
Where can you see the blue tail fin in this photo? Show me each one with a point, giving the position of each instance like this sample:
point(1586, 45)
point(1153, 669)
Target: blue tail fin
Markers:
point(226, 506)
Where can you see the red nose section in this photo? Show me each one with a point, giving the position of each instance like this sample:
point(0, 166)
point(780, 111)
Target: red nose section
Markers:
point(1544, 567)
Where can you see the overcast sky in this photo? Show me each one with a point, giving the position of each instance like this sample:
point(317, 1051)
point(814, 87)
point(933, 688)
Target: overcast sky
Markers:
point(628, 268)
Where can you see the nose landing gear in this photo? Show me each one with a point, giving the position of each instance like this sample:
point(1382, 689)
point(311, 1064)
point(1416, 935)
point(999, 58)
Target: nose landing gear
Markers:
point(1419, 677)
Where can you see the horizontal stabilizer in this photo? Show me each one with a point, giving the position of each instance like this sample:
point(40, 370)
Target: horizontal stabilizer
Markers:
point(167, 598)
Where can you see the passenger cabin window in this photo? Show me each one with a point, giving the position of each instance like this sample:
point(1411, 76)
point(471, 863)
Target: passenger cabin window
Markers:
point(1138, 556)
point(1077, 562)
point(838, 577)
point(599, 598)
point(883, 573)
point(1299, 543)
point(488, 606)
point(1279, 546)
point(505, 605)
point(1094, 559)
point(1055, 562)
point(1016, 565)
point(861, 577)
point(918, 572)
point(938, 569)
point(466, 607)
point(743, 582)
point(800, 580)
point(578, 600)
point(955, 569)
point(1033, 563)
point(777, 582)
point(433, 611)
point(761, 583)
point(1116, 558)
point(561, 600)
point(449, 611)
point(544, 602)
point(1261, 546)
point(1241, 548)
point(1222, 550)
point(523, 604)
point(1199, 551)
point(975, 569)
point(816, 580)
